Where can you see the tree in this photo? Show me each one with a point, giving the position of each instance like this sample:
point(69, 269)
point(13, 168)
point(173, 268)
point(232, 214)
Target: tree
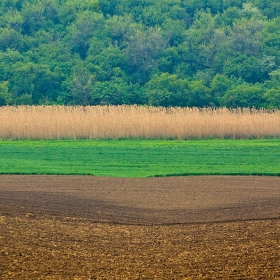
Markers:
point(272, 98)
point(120, 28)
point(143, 47)
point(270, 8)
point(244, 96)
point(51, 10)
point(83, 30)
point(219, 86)
point(105, 60)
point(13, 19)
point(174, 30)
point(198, 47)
point(63, 51)
point(250, 11)
point(275, 76)
point(114, 92)
point(153, 15)
point(73, 8)
point(200, 94)
point(80, 86)
point(8, 60)
point(108, 7)
point(168, 90)
point(250, 68)
point(33, 17)
point(5, 95)
point(10, 39)
point(270, 38)
point(229, 16)
point(34, 79)
point(274, 81)
point(245, 36)
point(10, 4)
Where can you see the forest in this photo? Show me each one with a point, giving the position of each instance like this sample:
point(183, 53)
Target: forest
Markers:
point(186, 53)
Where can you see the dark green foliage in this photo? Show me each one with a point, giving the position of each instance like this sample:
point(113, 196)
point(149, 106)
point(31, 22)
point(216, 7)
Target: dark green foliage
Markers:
point(168, 90)
point(244, 96)
point(115, 92)
point(5, 96)
point(168, 53)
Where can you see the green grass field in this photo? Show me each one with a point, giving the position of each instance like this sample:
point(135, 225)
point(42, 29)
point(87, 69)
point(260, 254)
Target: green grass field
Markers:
point(141, 158)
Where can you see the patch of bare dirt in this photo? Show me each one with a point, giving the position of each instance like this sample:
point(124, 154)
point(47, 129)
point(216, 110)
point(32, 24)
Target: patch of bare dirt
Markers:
point(72, 227)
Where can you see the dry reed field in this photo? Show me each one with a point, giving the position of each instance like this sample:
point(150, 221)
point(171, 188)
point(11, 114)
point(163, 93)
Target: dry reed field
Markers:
point(101, 122)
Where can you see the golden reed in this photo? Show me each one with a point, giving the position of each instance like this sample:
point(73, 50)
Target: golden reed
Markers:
point(114, 122)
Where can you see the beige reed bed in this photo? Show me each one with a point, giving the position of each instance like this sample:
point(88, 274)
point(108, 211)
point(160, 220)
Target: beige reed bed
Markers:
point(114, 122)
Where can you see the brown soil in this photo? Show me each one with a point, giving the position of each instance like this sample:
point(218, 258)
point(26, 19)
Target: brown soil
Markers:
point(71, 227)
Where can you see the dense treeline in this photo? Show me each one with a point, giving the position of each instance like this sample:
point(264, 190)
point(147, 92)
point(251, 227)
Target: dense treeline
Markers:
point(167, 52)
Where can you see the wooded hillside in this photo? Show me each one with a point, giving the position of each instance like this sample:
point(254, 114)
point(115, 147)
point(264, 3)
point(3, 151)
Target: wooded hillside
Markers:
point(156, 52)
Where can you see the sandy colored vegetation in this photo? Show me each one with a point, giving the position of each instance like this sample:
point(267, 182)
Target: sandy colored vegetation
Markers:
point(57, 122)
point(67, 227)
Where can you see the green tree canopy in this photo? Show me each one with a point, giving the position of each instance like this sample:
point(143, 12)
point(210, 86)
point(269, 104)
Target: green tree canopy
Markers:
point(167, 53)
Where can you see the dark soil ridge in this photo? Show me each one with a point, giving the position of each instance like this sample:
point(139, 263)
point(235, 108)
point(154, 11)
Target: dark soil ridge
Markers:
point(142, 201)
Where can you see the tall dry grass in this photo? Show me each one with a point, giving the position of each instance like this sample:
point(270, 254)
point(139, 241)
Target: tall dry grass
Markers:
point(59, 122)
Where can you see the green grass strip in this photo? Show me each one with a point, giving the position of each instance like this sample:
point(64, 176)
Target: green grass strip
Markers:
point(141, 158)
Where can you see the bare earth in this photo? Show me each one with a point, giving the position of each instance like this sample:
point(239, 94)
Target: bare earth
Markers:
point(82, 227)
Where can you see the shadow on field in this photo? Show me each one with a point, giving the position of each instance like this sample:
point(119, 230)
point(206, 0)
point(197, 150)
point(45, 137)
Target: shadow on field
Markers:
point(147, 201)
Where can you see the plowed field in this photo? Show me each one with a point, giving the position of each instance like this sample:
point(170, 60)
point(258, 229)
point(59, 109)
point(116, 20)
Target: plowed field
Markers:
point(82, 227)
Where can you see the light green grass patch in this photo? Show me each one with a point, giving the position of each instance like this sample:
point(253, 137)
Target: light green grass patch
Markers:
point(141, 158)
